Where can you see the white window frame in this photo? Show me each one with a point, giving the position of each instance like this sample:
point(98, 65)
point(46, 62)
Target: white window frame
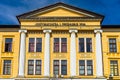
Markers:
point(85, 47)
point(35, 43)
point(60, 65)
point(60, 46)
point(34, 60)
point(86, 67)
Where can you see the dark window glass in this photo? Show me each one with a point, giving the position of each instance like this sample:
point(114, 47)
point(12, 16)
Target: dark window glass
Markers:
point(7, 67)
point(112, 45)
point(31, 44)
point(30, 67)
point(38, 67)
point(64, 67)
point(63, 44)
point(89, 67)
point(114, 67)
point(56, 44)
point(56, 67)
point(81, 44)
point(8, 45)
point(89, 44)
point(82, 67)
point(38, 44)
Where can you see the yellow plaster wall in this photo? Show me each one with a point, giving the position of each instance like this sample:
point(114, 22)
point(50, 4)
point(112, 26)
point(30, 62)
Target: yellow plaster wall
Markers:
point(13, 56)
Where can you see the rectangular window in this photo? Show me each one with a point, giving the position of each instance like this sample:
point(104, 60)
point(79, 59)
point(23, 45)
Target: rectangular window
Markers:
point(112, 45)
point(38, 44)
point(56, 44)
point(63, 67)
point(114, 67)
point(34, 67)
point(31, 44)
point(82, 67)
point(35, 44)
point(85, 67)
point(81, 44)
point(89, 44)
point(63, 45)
point(8, 44)
point(30, 67)
point(85, 44)
point(7, 67)
point(60, 45)
point(38, 67)
point(89, 67)
point(60, 67)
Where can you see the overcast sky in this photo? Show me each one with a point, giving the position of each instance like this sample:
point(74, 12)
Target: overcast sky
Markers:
point(9, 9)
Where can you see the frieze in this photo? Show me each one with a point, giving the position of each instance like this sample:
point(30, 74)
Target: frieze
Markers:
point(60, 24)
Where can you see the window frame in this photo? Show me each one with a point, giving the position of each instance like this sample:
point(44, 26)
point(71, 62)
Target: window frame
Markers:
point(9, 44)
point(6, 67)
point(34, 67)
point(59, 45)
point(86, 68)
point(60, 66)
point(114, 68)
point(35, 45)
point(113, 48)
point(84, 43)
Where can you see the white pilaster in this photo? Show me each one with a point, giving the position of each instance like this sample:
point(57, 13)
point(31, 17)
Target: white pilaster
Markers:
point(22, 52)
point(47, 53)
point(73, 53)
point(99, 64)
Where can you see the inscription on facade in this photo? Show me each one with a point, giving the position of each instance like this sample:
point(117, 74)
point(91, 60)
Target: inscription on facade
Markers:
point(60, 24)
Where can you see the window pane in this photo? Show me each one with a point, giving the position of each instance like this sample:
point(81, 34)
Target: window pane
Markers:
point(38, 67)
point(112, 45)
point(38, 44)
point(89, 44)
point(89, 67)
point(7, 67)
point(31, 44)
point(81, 44)
point(56, 67)
point(63, 44)
point(8, 45)
point(30, 67)
point(64, 67)
point(56, 44)
point(82, 67)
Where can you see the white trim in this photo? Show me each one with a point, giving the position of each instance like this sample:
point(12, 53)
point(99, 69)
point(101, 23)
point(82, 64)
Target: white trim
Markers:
point(35, 45)
point(85, 47)
point(60, 45)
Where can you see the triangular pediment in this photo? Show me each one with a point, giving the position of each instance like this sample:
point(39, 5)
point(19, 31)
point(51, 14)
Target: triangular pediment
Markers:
point(59, 10)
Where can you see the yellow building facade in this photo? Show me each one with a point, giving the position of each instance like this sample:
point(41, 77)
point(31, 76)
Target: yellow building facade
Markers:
point(62, 42)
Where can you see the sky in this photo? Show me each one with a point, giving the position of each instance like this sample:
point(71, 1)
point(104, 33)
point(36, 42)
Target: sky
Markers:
point(9, 9)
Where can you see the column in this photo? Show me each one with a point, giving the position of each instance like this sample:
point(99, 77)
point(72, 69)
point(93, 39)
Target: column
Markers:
point(99, 64)
point(73, 53)
point(47, 53)
point(22, 53)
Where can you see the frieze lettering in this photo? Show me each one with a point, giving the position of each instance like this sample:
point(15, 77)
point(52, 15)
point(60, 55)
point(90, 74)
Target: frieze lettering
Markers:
point(60, 24)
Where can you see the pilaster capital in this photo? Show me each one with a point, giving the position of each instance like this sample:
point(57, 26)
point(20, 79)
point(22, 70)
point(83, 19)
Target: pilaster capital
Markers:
point(98, 31)
point(47, 31)
point(23, 31)
point(73, 31)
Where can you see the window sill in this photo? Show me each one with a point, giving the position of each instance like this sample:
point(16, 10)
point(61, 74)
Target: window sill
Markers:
point(7, 52)
point(34, 52)
point(59, 52)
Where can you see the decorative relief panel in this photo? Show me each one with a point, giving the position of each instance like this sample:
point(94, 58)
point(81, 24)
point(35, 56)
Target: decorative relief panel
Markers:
point(60, 55)
point(85, 55)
